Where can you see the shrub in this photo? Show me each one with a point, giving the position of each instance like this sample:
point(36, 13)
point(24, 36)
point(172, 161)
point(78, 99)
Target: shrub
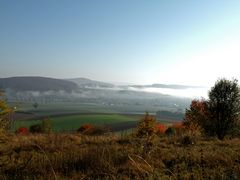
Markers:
point(170, 131)
point(84, 128)
point(160, 128)
point(89, 129)
point(147, 126)
point(97, 130)
point(37, 128)
point(44, 127)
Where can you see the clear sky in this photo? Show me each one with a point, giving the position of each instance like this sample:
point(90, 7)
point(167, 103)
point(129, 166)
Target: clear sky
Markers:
point(137, 41)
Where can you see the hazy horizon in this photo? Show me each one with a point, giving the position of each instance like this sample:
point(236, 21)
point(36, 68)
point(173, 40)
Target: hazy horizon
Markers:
point(139, 42)
point(177, 90)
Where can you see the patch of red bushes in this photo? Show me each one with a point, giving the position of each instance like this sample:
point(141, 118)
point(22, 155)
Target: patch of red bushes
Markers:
point(160, 128)
point(22, 130)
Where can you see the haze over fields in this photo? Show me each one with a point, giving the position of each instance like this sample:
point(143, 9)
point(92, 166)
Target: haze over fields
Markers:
point(120, 98)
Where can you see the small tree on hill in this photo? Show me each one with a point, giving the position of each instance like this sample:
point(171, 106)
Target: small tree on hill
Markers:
point(146, 130)
point(147, 126)
point(224, 106)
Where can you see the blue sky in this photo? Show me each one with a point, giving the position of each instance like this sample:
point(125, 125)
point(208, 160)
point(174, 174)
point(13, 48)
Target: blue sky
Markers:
point(136, 41)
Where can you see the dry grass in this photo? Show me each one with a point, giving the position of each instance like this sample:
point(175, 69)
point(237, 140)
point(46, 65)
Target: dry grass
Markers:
point(72, 156)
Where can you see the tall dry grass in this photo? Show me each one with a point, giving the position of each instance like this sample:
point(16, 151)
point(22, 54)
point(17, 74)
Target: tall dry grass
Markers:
point(74, 156)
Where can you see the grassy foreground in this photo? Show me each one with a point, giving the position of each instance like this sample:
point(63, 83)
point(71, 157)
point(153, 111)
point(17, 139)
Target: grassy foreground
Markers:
point(73, 156)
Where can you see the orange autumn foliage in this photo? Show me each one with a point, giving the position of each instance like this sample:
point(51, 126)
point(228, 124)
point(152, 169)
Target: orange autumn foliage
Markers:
point(196, 116)
point(160, 128)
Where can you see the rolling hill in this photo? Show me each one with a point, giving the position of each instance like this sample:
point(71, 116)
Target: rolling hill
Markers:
point(87, 83)
point(37, 84)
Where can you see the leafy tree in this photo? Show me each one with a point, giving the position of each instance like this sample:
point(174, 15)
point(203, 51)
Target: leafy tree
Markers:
point(220, 114)
point(224, 106)
point(5, 114)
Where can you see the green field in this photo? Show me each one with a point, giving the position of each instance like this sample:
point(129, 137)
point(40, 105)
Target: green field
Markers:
point(73, 122)
point(47, 109)
point(69, 116)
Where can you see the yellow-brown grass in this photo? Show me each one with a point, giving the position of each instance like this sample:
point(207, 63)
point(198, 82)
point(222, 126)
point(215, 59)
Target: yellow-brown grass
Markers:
point(73, 156)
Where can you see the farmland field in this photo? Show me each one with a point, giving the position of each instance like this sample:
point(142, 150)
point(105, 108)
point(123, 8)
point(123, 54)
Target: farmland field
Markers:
point(69, 116)
point(73, 122)
point(54, 108)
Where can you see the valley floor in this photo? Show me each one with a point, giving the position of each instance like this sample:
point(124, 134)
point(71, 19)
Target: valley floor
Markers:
point(73, 156)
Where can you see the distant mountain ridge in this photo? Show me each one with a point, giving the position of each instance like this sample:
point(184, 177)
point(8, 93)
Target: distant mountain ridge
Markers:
point(88, 83)
point(34, 83)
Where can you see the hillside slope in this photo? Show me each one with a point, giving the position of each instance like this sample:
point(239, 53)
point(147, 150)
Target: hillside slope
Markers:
point(84, 82)
point(37, 84)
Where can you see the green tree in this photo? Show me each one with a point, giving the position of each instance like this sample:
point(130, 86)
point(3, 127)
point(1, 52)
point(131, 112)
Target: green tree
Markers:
point(5, 114)
point(224, 106)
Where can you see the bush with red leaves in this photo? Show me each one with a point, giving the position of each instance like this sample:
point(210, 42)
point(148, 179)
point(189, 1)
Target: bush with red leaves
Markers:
point(22, 130)
point(160, 128)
